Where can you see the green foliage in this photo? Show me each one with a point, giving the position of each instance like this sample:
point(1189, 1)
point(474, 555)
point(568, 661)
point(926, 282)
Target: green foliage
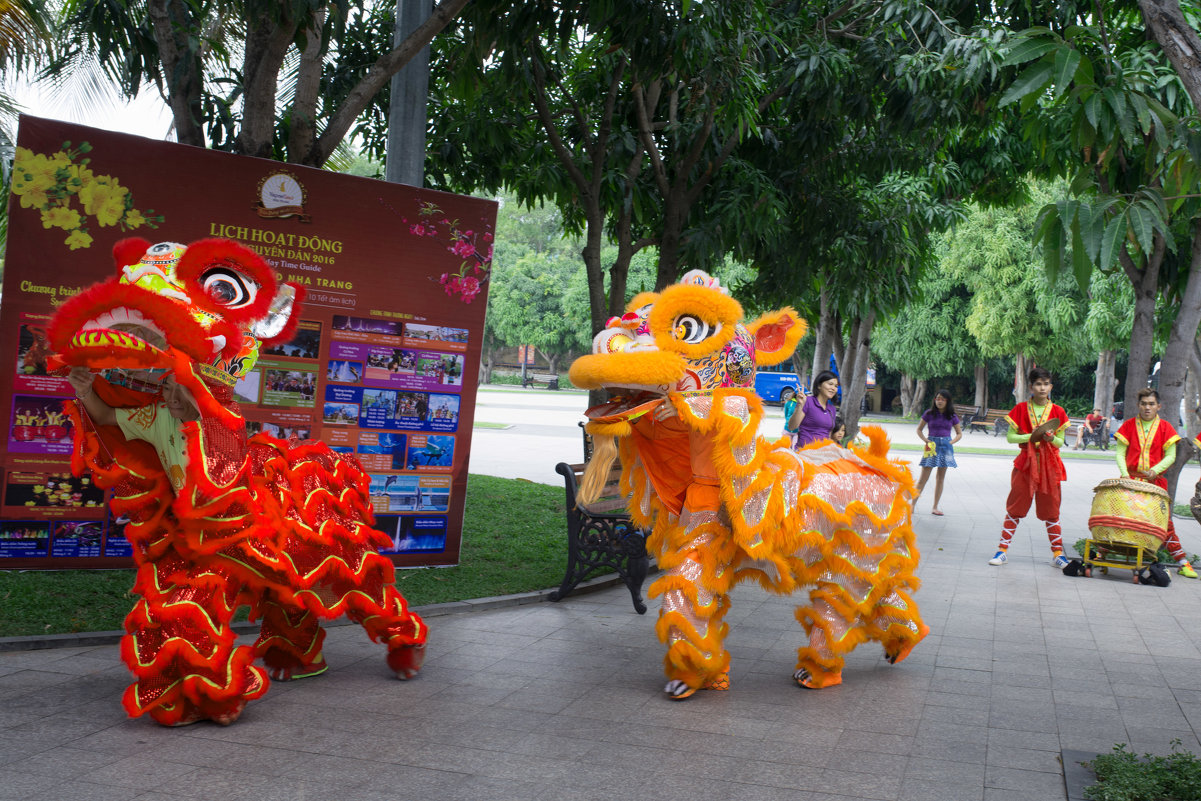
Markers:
point(1122, 776)
point(539, 293)
point(514, 540)
point(1016, 307)
point(925, 339)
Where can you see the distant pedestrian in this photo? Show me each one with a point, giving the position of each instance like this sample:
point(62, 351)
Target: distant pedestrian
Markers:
point(1090, 426)
point(940, 445)
point(813, 420)
point(794, 400)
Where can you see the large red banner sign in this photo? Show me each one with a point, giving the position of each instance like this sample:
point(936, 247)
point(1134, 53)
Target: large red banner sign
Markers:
point(383, 365)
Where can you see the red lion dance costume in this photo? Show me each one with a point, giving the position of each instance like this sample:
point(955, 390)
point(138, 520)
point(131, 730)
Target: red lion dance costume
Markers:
point(282, 527)
point(728, 506)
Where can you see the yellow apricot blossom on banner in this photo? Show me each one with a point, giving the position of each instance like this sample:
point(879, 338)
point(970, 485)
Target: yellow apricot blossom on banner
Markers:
point(79, 239)
point(61, 217)
point(52, 183)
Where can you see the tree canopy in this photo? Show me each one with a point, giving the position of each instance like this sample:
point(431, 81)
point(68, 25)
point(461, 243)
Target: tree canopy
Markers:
point(282, 79)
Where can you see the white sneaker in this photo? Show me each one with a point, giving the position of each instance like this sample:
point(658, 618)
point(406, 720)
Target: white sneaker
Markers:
point(1060, 562)
point(1000, 559)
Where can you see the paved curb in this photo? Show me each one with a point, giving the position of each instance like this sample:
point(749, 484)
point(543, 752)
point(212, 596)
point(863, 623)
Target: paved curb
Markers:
point(38, 642)
point(1076, 777)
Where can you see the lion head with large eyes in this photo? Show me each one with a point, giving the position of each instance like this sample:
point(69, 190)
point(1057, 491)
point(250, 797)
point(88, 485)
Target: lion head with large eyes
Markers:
point(215, 301)
point(688, 338)
point(205, 309)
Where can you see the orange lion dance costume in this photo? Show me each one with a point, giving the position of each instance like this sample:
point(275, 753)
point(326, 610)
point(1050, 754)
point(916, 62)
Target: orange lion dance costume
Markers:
point(283, 527)
point(727, 505)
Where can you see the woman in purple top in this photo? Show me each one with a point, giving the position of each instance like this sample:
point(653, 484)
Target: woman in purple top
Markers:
point(814, 419)
point(940, 453)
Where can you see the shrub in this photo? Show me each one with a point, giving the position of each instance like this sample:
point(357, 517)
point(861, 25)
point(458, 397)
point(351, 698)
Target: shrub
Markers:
point(1121, 776)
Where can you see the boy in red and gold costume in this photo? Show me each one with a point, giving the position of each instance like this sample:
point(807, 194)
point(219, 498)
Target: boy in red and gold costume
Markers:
point(1038, 427)
point(1146, 449)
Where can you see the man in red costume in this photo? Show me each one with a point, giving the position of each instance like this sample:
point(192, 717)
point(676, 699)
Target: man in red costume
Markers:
point(1146, 449)
point(1038, 427)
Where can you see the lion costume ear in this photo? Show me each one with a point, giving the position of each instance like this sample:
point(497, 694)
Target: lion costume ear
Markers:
point(776, 335)
point(129, 251)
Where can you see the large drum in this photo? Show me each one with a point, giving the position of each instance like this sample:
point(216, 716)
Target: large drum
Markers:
point(1127, 511)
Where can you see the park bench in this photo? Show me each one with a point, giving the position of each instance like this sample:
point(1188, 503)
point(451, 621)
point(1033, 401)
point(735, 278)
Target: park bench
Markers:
point(1099, 438)
point(550, 379)
point(967, 414)
point(601, 536)
point(992, 422)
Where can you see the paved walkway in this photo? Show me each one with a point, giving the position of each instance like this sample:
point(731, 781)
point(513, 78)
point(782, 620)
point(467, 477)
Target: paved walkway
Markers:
point(562, 701)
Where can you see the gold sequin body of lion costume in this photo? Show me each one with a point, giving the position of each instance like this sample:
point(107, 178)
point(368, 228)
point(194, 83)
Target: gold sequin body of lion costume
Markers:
point(726, 505)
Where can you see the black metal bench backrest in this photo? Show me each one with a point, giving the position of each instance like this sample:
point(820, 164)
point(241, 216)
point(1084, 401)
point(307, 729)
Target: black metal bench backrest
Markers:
point(601, 536)
point(610, 502)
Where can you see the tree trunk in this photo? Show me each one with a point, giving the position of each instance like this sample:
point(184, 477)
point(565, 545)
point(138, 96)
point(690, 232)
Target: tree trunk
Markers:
point(374, 80)
point(268, 38)
point(1192, 395)
point(906, 394)
point(669, 240)
point(1142, 334)
point(182, 67)
point(982, 386)
point(1106, 377)
point(801, 369)
point(487, 365)
point(1178, 40)
point(303, 129)
point(552, 362)
point(854, 376)
point(913, 395)
point(1021, 386)
point(919, 396)
point(824, 335)
point(838, 348)
point(408, 112)
point(1181, 339)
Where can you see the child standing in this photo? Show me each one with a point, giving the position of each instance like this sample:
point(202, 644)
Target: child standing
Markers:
point(1038, 468)
point(1146, 449)
point(840, 431)
point(942, 422)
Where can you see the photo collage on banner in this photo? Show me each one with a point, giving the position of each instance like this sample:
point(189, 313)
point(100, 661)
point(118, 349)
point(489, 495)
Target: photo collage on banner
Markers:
point(395, 282)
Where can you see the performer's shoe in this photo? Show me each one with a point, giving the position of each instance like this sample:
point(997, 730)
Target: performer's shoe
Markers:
point(999, 559)
point(230, 715)
point(898, 656)
point(1059, 561)
point(808, 681)
point(1187, 571)
point(253, 689)
point(314, 668)
point(679, 691)
point(193, 716)
point(407, 661)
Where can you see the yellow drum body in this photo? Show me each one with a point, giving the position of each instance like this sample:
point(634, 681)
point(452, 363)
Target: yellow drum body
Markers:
point(1130, 512)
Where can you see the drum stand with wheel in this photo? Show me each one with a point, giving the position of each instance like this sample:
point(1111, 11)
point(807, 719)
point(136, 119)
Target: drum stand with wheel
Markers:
point(1128, 524)
point(1105, 554)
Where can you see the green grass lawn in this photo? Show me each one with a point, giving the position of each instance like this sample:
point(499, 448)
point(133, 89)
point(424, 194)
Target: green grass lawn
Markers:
point(514, 540)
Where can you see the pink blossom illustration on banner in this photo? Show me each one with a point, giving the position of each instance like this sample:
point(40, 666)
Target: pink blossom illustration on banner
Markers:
point(472, 248)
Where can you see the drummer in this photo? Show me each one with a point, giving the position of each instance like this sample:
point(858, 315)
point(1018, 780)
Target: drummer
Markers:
point(1146, 448)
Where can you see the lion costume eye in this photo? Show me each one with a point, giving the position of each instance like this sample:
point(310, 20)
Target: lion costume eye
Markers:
point(229, 288)
point(692, 329)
